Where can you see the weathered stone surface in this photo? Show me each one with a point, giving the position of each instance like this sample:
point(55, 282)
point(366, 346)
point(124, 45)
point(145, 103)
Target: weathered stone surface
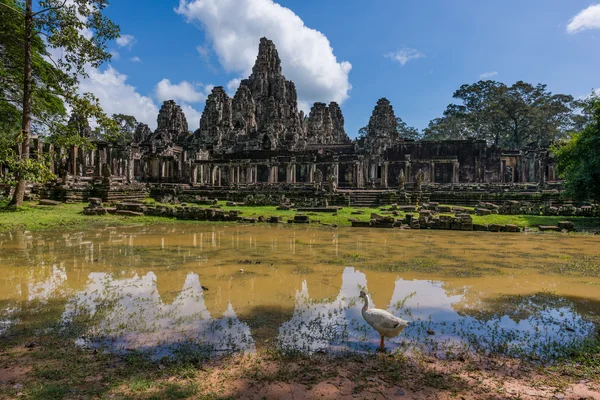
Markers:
point(381, 130)
point(216, 121)
point(276, 105)
point(546, 228)
point(566, 225)
point(95, 201)
point(46, 202)
point(512, 228)
point(337, 119)
point(301, 219)
point(325, 125)
point(319, 125)
point(128, 213)
point(142, 133)
point(171, 118)
point(243, 112)
point(172, 128)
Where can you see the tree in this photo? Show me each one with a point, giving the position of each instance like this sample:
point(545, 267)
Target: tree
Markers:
point(578, 159)
point(76, 27)
point(406, 132)
point(127, 125)
point(506, 116)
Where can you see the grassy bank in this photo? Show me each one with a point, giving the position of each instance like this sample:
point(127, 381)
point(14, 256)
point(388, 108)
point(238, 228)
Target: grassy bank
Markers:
point(66, 216)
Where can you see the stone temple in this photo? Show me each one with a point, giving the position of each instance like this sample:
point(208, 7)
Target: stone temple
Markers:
point(260, 141)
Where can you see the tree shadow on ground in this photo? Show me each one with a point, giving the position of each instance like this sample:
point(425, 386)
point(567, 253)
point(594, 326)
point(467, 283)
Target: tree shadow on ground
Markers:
point(46, 364)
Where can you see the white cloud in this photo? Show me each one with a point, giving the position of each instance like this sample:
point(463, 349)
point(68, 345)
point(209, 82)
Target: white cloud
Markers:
point(117, 96)
point(236, 26)
point(586, 19)
point(488, 75)
point(126, 41)
point(183, 91)
point(232, 86)
point(115, 55)
point(192, 116)
point(135, 59)
point(404, 55)
point(204, 51)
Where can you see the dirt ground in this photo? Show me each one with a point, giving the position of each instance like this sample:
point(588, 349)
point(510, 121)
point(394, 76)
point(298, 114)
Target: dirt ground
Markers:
point(27, 373)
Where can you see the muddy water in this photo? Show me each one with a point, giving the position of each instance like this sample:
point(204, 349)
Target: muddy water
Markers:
point(238, 288)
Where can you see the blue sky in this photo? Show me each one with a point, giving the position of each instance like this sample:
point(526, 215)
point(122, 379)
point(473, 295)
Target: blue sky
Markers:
point(184, 49)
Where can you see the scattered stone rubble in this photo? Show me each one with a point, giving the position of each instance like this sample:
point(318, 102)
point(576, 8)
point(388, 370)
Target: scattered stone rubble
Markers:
point(427, 216)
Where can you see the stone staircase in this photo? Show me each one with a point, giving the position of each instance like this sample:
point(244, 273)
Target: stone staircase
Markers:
point(364, 198)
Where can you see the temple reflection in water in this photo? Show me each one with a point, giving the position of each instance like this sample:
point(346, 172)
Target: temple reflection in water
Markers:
point(162, 287)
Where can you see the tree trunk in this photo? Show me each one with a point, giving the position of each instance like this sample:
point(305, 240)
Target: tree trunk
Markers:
point(17, 199)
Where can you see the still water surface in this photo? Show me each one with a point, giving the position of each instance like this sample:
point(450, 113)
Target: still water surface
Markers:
point(224, 289)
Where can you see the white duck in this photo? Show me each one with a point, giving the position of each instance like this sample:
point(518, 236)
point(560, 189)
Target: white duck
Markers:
point(382, 321)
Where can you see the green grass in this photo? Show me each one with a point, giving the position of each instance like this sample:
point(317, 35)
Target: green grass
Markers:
point(34, 217)
point(536, 220)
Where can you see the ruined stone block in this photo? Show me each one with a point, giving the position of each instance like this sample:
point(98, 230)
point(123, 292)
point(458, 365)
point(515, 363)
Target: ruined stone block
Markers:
point(480, 227)
point(566, 225)
point(495, 228)
point(46, 202)
point(129, 213)
point(408, 208)
point(95, 201)
point(136, 207)
point(301, 219)
point(464, 217)
point(512, 228)
point(361, 224)
point(546, 228)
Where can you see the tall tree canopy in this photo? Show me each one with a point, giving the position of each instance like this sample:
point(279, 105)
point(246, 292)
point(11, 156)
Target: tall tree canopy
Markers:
point(578, 159)
point(34, 84)
point(506, 116)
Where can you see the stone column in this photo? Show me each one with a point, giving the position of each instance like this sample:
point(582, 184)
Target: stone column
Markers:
point(288, 173)
point(194, 174)
point(82, 165)
point(160, 169)
point(384, 174)
point(273, 172)
point(432, 172)
point(311, 173)
point(455, 172)
point(336, 172)
point(231, 175)
point(73, 166)
point(51, 152)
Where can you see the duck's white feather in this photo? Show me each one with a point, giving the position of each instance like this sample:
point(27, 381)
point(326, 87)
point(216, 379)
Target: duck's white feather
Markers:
point(385, 323)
